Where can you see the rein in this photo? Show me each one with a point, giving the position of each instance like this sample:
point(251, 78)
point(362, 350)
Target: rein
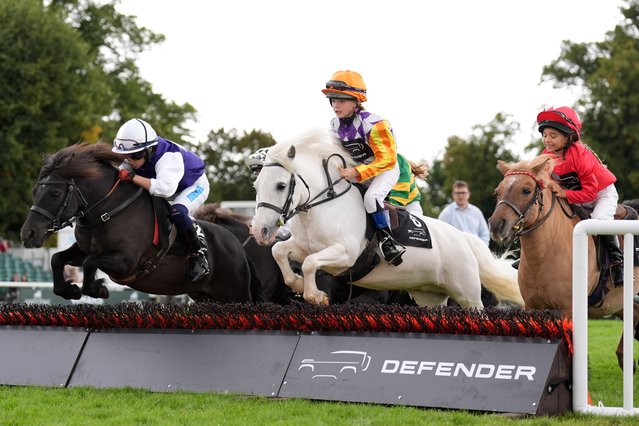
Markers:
point(83, 209)
point(286, 213)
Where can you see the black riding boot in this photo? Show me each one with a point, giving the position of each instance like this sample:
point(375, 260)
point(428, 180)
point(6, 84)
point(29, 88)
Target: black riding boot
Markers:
point(391, 249)
point(616, 258)
point(197, 260)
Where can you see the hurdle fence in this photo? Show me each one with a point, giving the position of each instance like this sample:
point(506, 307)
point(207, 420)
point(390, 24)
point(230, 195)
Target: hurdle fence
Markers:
point(582, 231)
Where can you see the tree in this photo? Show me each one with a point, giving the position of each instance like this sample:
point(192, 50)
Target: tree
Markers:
point(474, 161)
point(51, 91)
point(224, 154)
point(116, 41)
point(68, 73)
point(608, 74)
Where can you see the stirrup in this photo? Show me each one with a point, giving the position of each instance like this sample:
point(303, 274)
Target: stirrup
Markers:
point(394, 259)
point(197, 261)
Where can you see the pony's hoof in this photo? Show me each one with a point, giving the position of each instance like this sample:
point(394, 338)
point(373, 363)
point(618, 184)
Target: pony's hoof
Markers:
point(96, 289)
point(70, 292)
point(325, 302)
point(319, 298)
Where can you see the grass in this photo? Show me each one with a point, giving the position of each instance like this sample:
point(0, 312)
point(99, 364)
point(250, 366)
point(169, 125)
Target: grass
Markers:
point(82, 406)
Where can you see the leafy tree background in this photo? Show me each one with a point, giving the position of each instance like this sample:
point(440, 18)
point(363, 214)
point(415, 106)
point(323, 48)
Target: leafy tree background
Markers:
point(473, 160)
point(68, 72)
point(224, 154)
point(607, 74)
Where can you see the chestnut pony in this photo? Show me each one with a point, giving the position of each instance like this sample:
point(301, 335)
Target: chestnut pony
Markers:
point(544, 225)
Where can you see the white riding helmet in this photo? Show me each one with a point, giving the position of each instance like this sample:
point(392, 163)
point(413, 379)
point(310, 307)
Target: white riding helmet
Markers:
point(134, 136)
point(255, 161)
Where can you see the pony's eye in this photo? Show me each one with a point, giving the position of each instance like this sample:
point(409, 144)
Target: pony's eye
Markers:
point(280, 186)
point(527, 191)
point(55, 192)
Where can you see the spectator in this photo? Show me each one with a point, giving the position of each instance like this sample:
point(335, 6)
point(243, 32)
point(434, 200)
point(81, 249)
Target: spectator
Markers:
point(468, 218)
point(463, 215)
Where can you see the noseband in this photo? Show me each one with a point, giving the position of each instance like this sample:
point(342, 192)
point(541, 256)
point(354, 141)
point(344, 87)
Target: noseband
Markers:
point(286, 212)
point(72, 190)
point(538, 198)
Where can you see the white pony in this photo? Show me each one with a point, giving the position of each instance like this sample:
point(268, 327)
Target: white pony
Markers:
point(297, 182)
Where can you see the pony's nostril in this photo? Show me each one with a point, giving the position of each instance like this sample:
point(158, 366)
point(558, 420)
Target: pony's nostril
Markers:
point(264, 232)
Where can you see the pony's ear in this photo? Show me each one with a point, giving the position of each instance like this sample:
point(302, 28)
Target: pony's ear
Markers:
point(291, 152)
point(502, 166)
point(543, 167)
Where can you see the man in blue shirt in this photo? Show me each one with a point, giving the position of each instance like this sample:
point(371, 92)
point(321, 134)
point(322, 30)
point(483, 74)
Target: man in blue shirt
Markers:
point(463, 215)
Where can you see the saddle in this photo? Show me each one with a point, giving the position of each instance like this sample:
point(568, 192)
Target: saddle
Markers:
point(164, 236)
point(407, 229)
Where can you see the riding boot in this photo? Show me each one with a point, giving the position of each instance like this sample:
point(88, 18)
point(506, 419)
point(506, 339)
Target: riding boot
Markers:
point(197, 259)
point(616, 258)
point(391, 249)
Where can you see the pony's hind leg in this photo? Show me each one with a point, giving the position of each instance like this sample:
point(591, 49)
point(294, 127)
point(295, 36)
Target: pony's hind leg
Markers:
point(61, 287)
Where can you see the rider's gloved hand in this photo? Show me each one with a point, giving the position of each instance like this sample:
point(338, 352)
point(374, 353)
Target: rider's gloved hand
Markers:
point(126, 172)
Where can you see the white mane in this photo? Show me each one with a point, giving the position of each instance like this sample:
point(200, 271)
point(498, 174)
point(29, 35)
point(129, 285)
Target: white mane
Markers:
point(315, 143)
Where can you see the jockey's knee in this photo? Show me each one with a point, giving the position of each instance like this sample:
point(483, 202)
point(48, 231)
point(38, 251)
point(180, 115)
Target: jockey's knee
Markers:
point(372, 204)
point(180, 216)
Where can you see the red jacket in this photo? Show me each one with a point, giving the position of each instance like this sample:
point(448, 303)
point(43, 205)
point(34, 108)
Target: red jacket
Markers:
point(593, 176)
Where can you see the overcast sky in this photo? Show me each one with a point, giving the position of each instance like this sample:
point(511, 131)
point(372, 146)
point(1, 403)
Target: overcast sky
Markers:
point(432, 68)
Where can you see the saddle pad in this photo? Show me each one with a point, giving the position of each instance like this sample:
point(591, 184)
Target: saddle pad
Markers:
point(411, 231)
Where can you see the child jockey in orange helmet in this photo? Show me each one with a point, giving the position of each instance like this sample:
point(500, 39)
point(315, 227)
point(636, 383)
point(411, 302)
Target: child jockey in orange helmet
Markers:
point(370, 142)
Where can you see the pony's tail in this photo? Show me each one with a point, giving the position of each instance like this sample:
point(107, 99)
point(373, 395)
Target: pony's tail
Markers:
point(497, 275)
point(420, 170)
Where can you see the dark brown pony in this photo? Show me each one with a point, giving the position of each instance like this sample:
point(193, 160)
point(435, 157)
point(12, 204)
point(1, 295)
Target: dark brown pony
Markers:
point(115, 229)
point(527, 209)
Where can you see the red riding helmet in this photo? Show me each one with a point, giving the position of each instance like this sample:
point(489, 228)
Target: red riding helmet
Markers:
point(564, 119)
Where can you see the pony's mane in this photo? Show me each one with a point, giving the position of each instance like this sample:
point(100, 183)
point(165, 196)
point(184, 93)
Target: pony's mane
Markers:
point(79, 160)
point(316, 143)
point(210, 211)
point(544, 173)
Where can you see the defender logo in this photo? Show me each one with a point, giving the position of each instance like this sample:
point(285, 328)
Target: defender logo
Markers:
point(343, 362)
point(459, 369)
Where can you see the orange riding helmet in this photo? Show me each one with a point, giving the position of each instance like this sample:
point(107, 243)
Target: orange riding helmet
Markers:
point(346, 85)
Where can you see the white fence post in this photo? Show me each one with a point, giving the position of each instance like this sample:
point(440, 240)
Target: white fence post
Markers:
point(580, 312)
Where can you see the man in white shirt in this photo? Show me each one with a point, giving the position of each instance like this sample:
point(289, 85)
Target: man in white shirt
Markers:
point(463, 215)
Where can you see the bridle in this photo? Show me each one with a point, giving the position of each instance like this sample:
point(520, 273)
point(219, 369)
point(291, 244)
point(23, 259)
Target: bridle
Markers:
point(538, 198)
point(287, 211)
point(73, 191)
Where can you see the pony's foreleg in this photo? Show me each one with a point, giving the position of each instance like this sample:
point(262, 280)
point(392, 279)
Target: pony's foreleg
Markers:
point(334, 255)
point(71, 256)
point(90, 286)
point(619, 350)
point(280, 253)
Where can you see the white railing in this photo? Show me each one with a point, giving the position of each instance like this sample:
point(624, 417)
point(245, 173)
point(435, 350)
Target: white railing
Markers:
point(580, 313)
